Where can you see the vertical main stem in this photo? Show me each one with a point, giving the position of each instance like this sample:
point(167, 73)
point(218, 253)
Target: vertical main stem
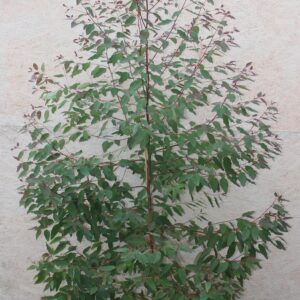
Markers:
point(148, 150)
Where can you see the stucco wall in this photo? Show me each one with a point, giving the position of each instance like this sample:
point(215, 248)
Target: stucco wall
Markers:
point(36, 31)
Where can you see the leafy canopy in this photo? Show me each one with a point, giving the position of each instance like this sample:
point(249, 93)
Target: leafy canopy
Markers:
point(147, 124)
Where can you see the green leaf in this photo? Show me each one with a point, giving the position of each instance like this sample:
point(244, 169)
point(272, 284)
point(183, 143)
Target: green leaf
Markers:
point(263, 250)
point(144, 35)
point(98, 71)
point(141, 138)
point(207, 286)
point(224, 184)
point(227, 165)
point(157, 79)
point(89, 28)
point(251, 172)
point(108, 173)
point(165, 22)
point(242, 178)
point(107, 268)
point(214, 183)
point(211, 138)
point(223, 45)
point(106, 145)
point(116, 57)
point(279, 245)
point(181, 276)
point(231, 250)
point(123, 76)
point(99, 52)
point(135, 85)
point(61, 246)
point(41, 276)
point(130, 20)
point(182, 34)
point(46, 116)
point(93, 290)
point(223, 267)
point(158, 94)
point(205, 73)
point(151, 285)
point(156, 257)
point(195, 33)
point(231, 97)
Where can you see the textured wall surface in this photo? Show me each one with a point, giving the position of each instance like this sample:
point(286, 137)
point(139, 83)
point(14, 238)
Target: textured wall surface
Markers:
point(36, 31)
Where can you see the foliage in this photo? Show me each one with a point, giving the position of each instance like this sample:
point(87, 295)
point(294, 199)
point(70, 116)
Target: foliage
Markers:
point(146, 125)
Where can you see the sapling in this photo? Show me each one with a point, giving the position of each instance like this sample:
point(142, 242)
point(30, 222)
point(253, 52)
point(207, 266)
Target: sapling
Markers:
point(143, 129)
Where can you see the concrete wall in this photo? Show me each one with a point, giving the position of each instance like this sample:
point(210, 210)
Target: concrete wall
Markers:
point(36, 31)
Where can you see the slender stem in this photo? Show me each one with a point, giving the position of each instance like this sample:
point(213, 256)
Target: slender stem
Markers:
point(148, 150)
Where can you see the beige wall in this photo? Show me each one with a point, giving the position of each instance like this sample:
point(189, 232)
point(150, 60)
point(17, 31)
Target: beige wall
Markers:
point(36, 31)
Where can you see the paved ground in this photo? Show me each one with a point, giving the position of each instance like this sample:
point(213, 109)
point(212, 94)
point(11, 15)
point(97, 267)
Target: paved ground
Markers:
point(33, 30)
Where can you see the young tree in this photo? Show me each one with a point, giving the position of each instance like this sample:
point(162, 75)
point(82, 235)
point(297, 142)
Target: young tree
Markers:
point(145, 125)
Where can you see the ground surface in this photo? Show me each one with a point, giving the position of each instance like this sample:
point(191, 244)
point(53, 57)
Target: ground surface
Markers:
point(36, 31)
